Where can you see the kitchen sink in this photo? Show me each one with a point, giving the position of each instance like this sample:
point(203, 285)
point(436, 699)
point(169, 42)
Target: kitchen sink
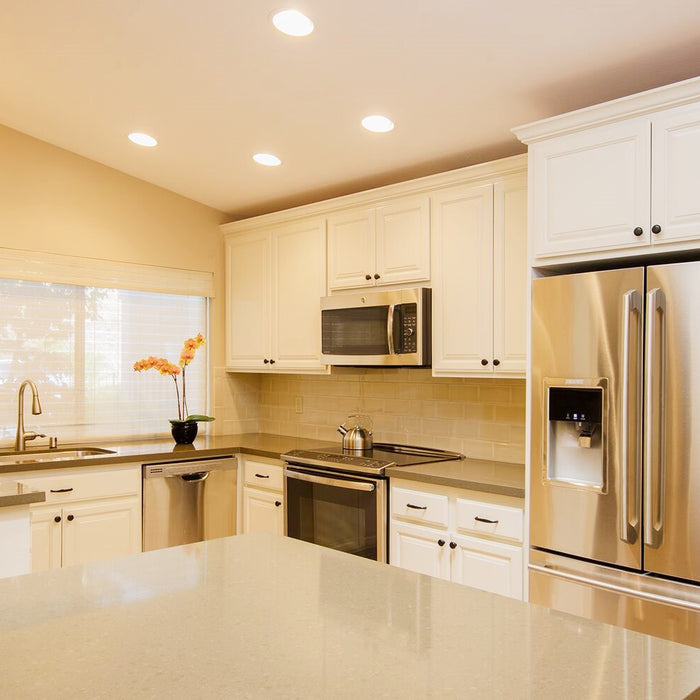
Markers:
point(54, 455)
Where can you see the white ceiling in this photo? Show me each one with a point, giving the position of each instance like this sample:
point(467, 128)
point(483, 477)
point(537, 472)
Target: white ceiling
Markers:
point(215, 83)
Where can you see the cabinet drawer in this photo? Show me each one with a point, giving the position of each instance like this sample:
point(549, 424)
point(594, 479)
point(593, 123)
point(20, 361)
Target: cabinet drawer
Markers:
point(263, 475)
point(73, 485)
point(419, 507)
point(489, 519)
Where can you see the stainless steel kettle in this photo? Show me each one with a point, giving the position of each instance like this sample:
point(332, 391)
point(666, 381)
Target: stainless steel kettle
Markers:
point(357, 433)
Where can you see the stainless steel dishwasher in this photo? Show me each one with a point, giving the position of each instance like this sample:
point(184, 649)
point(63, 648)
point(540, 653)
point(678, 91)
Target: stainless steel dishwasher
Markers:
point(188, 501)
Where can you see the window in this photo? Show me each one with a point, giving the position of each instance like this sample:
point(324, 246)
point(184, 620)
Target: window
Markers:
point(79, 344)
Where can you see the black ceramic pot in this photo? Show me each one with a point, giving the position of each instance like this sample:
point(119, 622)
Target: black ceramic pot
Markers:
point(184, 432)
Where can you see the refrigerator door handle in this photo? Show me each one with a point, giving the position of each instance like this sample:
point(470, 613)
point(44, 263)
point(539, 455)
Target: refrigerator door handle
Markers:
point(630, 446)
point(655, 396)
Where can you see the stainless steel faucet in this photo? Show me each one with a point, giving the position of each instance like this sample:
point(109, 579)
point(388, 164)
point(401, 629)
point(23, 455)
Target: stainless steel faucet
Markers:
point(22, 435)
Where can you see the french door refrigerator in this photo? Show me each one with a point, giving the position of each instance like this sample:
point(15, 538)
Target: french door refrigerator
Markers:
point(615, 447)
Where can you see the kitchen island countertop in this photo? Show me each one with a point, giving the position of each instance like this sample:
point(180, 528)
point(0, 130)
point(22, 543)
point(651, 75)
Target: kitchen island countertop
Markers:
point(256, 616)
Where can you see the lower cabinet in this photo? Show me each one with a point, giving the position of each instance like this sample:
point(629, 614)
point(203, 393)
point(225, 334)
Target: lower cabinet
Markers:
point(88, 515)
point(463, 536)
point(263, 496)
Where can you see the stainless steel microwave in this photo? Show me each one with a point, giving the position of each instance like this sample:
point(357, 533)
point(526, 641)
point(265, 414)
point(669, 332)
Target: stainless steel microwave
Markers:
point(389, 328)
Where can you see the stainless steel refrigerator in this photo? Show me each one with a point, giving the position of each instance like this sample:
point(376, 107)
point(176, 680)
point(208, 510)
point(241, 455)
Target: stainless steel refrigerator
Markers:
point(615, 447)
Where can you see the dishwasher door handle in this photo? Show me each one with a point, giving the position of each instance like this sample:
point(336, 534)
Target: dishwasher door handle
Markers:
point(194, 476)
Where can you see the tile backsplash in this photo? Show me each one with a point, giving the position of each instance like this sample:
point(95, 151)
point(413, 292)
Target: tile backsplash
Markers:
point(482, 418)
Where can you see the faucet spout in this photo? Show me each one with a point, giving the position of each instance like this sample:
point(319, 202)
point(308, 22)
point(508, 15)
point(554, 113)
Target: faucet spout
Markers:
point(22, 434)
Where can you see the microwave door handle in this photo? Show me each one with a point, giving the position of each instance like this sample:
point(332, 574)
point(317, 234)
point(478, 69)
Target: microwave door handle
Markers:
point(390, 328)
point(327, 481)
point(655, 396)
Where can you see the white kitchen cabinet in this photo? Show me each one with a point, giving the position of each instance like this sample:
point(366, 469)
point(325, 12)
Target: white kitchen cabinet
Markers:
point(380, 245)
point(458, 535)
point(15, 541)
point(616, 179)
point(89, 514)
point(274, 282)
point(263, 496)
point(479, 253)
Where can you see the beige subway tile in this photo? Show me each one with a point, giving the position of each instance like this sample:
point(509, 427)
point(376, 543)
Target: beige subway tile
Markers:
point(505, 452)
point(449, 410)
point(514, 415)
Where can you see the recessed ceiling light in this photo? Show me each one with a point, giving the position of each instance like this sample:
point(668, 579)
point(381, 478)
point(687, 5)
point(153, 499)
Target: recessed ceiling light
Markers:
point(293, 23)
point(143, 139)
point(266, 159)
point(378, 123)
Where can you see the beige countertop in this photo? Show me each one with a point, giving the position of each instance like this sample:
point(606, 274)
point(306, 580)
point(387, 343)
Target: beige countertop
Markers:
point(257, 616)
point(14, 494)
point(495, 477)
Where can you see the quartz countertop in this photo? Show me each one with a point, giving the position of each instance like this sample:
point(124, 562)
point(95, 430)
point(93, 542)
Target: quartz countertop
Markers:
point(502, 478)
point(15, 494)
point(257, 616)
point(482, 475)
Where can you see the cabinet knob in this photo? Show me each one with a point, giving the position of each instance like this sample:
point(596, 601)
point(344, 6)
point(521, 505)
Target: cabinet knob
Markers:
point(656, 228)
point(368, 277)
point(71, 518)
point(57, 519)
point(453, 545)
point(638, 231)
point(272, 362)
point(484, 362)
point(266, 361)
point(441, 543)
point(376, 275)
point(278, 503)
point(496, 363)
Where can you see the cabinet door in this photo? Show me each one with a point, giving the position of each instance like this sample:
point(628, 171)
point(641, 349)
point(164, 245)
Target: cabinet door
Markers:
point(46, 537)
point(675, 183)
point(263, 511)
point(351, 244)
point(248, 280)
point(489, 565)
point(419, 549)
point(510, 277)
point(101, 529)
point(299, 282)
point(403, 241)
point(462, 233)
point(591, 189)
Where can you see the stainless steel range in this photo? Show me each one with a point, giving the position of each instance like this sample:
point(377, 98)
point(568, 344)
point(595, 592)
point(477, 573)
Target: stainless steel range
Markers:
point(339, 498)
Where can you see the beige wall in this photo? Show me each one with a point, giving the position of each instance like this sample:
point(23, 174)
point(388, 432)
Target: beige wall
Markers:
point(54, 201)
point(482, 418)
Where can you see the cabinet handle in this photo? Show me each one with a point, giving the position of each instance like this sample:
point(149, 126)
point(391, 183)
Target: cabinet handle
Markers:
point(376, 275)
point(485, 520)
point(262, 476)
point(71, 518)
point(278, 503)
point(441, 543)
point(453, 545)
point(57, 519)
point(266, 361)
point(484, 362)
point(496, 363)
point(61, 490)
point(410, 505)
point(368, 277)
point(656, 228)
point(638, 231)
point(272, 362)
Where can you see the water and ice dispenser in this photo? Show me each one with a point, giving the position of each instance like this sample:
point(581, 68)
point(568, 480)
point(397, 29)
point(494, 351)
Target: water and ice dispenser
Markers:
point(575, 434)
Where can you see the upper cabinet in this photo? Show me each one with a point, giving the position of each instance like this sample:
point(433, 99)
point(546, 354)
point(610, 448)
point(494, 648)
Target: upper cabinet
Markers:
point(274, 281)
point(381, 245)
point(617, 179)
point(479, 253)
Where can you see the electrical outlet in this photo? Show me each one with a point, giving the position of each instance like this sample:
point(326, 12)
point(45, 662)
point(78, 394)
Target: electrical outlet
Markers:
point(299, 405)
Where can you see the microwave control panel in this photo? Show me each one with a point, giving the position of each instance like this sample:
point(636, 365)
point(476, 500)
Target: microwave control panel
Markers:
point(409, 324)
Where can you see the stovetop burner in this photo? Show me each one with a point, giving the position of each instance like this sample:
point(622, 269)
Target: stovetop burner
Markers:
point(374, 461)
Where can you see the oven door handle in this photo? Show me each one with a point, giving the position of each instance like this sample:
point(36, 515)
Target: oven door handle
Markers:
point(327, 481)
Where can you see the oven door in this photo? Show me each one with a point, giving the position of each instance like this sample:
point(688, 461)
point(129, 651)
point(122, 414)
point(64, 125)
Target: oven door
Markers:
point(340, 511)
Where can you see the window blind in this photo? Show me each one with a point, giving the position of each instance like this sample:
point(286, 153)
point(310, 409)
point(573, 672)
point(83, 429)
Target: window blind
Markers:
point(79, 344)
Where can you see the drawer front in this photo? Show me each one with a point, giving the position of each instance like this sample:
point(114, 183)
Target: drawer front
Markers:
point(75, 486)
point(419, 506)
point(263, 475)
point(480, 518)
